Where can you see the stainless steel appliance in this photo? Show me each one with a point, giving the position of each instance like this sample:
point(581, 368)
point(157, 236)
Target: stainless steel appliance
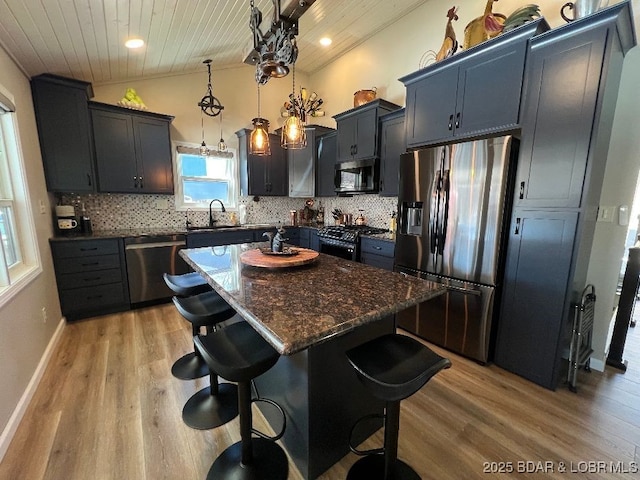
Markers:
point(148, 257)
point(343, 240)
point(358, 176)
point(452, 207)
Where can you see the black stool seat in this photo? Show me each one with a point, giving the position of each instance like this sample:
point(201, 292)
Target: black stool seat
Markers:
point(238, 353)
point(187, 284)
point(203, 310)
point(394, 367)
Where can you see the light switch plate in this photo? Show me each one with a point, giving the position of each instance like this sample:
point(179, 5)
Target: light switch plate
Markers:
point(605, 214)
point(43, 207)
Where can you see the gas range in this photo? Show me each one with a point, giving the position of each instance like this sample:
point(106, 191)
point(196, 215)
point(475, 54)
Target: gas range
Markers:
point(346, 235)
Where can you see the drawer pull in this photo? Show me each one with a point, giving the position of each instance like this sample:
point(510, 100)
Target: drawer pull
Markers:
point(90, 264)
point(92, 279)
point(377, 247)
point(94, 297)
point(88, 249)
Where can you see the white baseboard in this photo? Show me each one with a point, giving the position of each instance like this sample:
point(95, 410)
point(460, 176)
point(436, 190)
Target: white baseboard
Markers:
point(12, 425)
point(596, 364)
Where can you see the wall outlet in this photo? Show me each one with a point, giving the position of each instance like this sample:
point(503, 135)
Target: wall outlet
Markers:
point(44, 314)
point(43, 207)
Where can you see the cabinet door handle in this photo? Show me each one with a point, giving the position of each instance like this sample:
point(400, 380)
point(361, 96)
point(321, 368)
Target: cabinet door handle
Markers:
point(517, 230)
point(451, 122)
point(458, 120)
point(88, 179)
point(355, 149)
point(140, 183)
point(521, 190)
point(135, 182)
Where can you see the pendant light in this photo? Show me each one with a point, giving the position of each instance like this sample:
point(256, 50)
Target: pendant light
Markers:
point(259, 144)
point(222, 147)
point(204, 150)
point(293, 132)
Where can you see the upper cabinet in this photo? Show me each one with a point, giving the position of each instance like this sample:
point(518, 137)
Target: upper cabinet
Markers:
point(133, 150)
point(473, 93)
point(265, 175)
point(392, 144)
point(64, 130)
point(358, 130)
point(326, 153)
point(303, 163)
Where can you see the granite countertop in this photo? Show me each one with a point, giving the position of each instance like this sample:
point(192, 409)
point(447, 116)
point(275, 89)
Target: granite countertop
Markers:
point(296, 308)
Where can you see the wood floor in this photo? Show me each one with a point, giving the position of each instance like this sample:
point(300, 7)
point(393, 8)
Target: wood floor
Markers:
point(108, 408)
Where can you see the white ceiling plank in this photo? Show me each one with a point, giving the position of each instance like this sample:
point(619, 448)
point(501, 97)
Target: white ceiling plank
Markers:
point(15, 40)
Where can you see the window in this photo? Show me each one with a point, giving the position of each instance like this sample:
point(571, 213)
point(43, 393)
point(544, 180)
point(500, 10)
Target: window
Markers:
point(18, 252)
point(200, 179)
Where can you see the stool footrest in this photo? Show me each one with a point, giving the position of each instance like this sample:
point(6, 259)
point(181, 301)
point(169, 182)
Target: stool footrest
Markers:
point(284, 420)
point(374, 451)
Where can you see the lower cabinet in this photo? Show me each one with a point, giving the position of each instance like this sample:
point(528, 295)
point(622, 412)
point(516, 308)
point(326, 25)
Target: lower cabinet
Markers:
point(309, 238)
point(377, 252)
point(535, 296)
point(91, 277)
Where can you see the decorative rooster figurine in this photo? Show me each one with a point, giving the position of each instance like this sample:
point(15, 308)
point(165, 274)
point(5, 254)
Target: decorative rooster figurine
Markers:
point(450, 44)
point(492, 24)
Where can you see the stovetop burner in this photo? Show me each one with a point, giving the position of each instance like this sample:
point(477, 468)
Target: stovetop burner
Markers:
point(348, 233)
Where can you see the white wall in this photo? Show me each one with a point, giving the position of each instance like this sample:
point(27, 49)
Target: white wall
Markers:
point(23, 335)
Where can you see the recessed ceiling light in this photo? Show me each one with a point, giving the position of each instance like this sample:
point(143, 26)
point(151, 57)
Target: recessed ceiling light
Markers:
point(134, 43)
point(325, 41)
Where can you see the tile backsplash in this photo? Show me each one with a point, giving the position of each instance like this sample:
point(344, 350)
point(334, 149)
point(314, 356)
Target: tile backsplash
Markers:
point(124, 211)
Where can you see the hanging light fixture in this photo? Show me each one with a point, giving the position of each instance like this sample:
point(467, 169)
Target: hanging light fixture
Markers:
point(222, 147)
point(259, 144)
point(204, 150)
point(209, 104)
point(293, 132)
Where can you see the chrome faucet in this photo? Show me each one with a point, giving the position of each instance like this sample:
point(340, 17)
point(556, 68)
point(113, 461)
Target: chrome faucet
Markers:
point(211, 220)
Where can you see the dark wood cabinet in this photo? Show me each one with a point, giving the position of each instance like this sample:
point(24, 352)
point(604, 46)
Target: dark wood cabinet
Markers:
point(536, 285)
point(558, 119)
point(473, 93)
point(327, 154)
point(309, 238)
point(377, 252)
point(392, 145)
point(91, 277)
point(133, 150)
point(572, 81)
point(64, 130)
point(302, 164)
point(358, 130)
point(265, 175)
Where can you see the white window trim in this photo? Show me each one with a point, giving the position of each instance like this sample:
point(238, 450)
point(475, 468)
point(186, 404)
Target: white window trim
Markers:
point(31, 266)
point(178, 194)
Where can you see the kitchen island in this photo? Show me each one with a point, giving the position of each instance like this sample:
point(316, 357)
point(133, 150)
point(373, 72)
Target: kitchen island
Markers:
point(311, 315)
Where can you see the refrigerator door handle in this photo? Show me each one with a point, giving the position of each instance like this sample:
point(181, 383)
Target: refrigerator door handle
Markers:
point(444, 212)
point(433, 214)
point(465, 291)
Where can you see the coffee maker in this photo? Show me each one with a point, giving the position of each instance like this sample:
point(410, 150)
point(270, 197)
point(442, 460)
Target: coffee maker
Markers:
point(66, 221)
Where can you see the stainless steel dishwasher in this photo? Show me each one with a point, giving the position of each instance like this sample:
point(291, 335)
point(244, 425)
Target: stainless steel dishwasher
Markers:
point(148, 257)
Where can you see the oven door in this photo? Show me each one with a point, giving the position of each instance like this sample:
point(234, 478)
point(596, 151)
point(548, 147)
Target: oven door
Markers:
point(345, 250)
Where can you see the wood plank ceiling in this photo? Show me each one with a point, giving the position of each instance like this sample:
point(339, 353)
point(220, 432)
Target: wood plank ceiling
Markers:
point(84, 39)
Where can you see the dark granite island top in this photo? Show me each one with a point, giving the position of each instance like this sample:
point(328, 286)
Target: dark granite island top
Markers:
point(298, 307)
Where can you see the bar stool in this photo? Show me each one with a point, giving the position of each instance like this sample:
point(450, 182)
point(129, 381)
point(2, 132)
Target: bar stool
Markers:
point(239, 354)
point(189, 366)
point(392, 367)
point(216, 404)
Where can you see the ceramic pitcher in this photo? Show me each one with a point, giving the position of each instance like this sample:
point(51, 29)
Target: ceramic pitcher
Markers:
point(582, 8)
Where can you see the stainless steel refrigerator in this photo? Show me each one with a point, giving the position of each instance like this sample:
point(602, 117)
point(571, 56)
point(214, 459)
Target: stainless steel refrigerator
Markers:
point(451, 219)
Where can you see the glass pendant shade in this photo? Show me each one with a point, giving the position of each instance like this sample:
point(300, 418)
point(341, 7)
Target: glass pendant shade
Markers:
point(260, 137)
point(293, 133)
point(204, 150)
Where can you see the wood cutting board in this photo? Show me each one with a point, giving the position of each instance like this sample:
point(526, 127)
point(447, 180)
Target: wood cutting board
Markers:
point(256, 258)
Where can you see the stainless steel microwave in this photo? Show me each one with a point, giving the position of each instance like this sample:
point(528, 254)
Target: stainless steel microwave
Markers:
point(358, 176)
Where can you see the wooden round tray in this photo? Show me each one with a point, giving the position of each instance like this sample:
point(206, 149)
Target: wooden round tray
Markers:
point(256, 258)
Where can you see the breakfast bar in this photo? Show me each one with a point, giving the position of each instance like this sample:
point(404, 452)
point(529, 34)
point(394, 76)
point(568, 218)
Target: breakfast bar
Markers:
point(311, 314)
